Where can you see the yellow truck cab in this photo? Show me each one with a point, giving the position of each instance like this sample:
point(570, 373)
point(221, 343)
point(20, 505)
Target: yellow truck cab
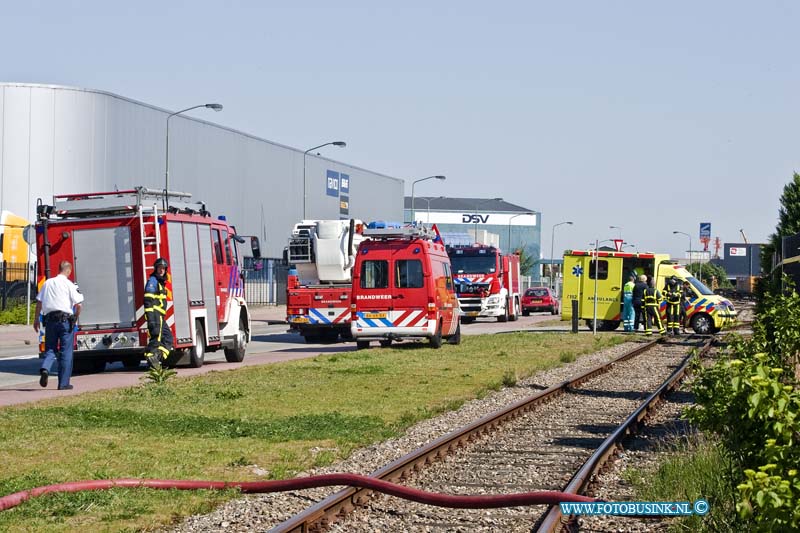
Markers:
point(587, 273)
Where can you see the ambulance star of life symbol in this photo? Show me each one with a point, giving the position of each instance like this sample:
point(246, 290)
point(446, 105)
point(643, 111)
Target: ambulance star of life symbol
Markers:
point(577, 270)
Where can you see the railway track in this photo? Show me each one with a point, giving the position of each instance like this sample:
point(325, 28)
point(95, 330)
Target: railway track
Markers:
point(535, 444)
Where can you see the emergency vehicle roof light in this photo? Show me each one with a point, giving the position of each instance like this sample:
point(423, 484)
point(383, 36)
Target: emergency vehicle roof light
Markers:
point(222, 217)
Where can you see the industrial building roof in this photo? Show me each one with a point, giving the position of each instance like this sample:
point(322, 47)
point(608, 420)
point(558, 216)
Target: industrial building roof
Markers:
point(445, 203)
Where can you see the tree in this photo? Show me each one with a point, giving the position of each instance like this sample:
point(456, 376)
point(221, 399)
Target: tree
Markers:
point(526, 262)
point(710, 269)
point(788, 224)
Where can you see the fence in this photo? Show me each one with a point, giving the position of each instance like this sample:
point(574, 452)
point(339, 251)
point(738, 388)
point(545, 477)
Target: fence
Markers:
point(14, 278)
point(526, 282)
point(265, 281)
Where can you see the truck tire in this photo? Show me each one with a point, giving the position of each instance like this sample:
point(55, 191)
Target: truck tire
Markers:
point(702, 324)
point(514, 311)
point(456, 337)
point(235, 354)
point(436, 340)
point(362, 345)
point(132, 363)
point(197, 353)
point(504, 316)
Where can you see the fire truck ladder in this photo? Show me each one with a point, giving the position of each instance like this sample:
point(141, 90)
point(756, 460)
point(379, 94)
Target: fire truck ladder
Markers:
point(407, 232)
point(150, 236)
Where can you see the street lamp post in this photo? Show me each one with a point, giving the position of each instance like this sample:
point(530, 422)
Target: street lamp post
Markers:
point(413, 183)
point(509, 226)
point(617, 228)
point(552, 247)
point(340, 144)
point(690, 251)
point(477, 205)
point(215, 107)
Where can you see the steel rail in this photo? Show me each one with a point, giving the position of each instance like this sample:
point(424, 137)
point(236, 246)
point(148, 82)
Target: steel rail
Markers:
point(335, 506)
point(554, 520)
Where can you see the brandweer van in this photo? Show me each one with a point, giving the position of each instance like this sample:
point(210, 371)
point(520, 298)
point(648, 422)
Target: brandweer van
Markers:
point(403, 287)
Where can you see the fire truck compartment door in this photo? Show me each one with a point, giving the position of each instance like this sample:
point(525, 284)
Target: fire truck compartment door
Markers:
point(207, 271)
point(177, 267)
point(103, 271)
point(608, 273)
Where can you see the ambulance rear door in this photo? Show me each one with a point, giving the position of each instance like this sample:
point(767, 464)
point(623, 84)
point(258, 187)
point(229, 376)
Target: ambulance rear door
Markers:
point(603, 278)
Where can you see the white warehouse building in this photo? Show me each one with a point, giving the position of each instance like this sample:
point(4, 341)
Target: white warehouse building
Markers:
point(57, 140)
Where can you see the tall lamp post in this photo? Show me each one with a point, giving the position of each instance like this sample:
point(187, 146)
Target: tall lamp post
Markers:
point(340, 144)
point(619, 228)
point(413, 183)
point(477, 205)
point(215, 107)
point(552, 247)
point(509, 225)
point(690, 251)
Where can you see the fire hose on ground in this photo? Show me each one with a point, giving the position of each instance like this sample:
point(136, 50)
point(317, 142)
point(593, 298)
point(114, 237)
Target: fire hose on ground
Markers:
point(547, 497)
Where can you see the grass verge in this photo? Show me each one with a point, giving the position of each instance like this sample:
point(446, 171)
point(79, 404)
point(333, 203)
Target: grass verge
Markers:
point(235, 425)
point(695, 469)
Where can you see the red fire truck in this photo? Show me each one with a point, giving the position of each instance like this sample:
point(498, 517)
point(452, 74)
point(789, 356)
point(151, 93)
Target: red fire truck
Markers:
point(112, 240)
point(321, 254)
point(487, 282)
point(403, 287)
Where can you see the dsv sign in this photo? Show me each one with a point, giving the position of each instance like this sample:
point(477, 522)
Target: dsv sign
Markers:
point(474, 219)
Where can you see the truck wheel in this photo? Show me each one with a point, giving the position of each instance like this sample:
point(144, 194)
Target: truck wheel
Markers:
point(702, 324)
point(362, 345)
point(236, 353)
point(131, 363)
point(514, 311)
point(436, 340)
point(456, 337)
point(385, 343)
point(197, 353)
point(504, 316)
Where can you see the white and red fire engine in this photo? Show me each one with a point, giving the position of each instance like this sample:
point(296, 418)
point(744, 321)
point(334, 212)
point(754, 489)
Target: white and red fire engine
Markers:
point(319, 284)
point(487, 282)
point(112, 240)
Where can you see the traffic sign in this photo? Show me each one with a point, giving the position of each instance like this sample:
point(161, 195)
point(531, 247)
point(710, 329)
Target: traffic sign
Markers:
point(705, 230)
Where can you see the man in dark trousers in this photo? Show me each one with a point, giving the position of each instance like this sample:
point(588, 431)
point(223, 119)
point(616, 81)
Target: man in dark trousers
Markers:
point(159, 345)
point(638, 302)
point(652, 308)
point(59, 302)
point(673, 293)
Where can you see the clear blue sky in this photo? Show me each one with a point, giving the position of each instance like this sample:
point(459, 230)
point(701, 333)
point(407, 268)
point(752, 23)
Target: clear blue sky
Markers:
point(649, 116)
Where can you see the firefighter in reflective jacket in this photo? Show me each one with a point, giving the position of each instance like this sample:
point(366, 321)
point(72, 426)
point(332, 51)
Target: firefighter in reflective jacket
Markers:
point(673, 294)
point(155, 308)
point(652, 301)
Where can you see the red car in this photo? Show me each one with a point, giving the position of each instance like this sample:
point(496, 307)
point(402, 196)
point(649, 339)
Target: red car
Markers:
point(539, 299)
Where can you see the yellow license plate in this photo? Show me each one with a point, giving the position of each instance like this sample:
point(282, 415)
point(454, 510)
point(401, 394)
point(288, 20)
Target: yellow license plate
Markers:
point(473, 313)
point(537, 300)
point(374, 315)
point(300, 320)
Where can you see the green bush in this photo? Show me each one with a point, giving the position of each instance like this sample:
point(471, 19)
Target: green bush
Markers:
point(751, 400)
point(15, 314)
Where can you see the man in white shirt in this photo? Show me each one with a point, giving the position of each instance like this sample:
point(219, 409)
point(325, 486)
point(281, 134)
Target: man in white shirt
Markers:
point(59, 302)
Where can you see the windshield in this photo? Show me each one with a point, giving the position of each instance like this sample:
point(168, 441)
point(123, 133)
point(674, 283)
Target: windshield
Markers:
point(473, 265)
point(699, 287)
point(536, 292)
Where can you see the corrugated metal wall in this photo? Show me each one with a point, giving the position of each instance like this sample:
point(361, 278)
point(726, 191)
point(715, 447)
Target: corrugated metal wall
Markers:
point(56, 140)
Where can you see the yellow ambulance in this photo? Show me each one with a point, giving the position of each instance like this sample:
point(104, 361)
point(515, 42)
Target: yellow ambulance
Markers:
point(603, 273)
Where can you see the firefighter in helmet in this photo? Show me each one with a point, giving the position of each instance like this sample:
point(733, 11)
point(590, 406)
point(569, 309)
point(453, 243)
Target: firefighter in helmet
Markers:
point(155, 309)
point(674, 295)
point(652, 309)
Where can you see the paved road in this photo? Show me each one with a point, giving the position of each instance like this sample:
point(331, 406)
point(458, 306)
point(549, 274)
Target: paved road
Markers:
point(19, 364)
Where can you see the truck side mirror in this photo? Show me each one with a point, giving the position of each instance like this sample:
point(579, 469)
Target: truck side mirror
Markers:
point(255, 246)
